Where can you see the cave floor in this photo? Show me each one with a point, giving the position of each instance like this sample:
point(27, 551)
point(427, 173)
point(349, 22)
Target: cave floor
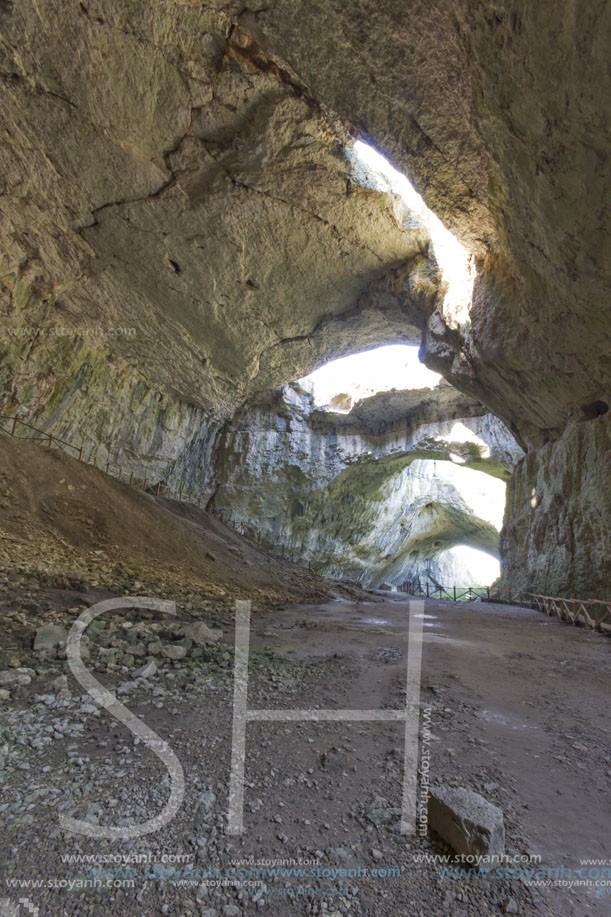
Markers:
point(518, 707)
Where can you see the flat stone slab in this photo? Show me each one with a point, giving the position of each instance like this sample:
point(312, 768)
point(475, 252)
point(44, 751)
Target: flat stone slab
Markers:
point(466, 821)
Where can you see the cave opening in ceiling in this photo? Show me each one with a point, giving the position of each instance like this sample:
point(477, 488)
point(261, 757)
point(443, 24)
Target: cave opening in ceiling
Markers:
point(370, 169)
point(341, 383)
point(372, 467)
point(470, 565)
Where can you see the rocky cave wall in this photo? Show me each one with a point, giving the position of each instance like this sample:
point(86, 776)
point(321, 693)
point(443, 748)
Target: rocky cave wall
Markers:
point(558, 521)
point(377, 495)
point(179, 170)
point(73, 386)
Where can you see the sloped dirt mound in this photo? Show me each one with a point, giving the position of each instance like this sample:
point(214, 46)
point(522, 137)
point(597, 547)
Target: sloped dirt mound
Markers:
point(63, 520)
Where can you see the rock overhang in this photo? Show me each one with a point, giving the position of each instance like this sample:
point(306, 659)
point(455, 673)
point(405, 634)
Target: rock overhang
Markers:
point(132, 116)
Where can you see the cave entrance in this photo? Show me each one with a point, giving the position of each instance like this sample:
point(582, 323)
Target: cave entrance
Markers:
point(450, 515)
point(372, 468)
point(420, 497)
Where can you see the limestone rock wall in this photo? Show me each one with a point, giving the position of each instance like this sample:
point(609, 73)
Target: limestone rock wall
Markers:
point(169, 176)
point(487, 107)
point(558, 523)
point(179, 169)
point(73, 386)
point(359, 504)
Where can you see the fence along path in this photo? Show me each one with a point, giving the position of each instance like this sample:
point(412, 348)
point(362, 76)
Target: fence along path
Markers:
point(594, 613)
point(12, 425)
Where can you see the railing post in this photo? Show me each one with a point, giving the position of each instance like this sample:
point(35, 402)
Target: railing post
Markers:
point(14, 427)
point(454, 593)
point(80, 454)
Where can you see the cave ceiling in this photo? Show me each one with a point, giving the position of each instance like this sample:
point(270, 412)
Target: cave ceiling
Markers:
point(179, 168)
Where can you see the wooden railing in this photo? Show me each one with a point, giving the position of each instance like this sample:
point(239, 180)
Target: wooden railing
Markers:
point(41, 435)
point(11, 425)
point(594, 612)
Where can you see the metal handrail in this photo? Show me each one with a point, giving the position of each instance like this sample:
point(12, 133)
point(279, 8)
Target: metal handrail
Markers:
point(452, 593)
point(112, 468)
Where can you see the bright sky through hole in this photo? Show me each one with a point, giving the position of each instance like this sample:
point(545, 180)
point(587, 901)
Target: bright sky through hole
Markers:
point(371, 170)
point(482, 569)
point(363, 374)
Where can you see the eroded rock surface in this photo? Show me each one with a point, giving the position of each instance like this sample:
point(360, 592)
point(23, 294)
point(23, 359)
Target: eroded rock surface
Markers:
point(376, 505)
point(176, 196)
point(558, 516)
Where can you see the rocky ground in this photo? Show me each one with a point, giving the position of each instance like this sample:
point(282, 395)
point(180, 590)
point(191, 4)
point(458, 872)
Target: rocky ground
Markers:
point(512, 723)
point(513, 706)
point(80, 528)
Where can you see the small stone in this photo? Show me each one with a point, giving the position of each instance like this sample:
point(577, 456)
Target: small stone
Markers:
point(174, 651)
point(146, 671)
point(206, 800)
point(376, 854)
point(201, 634)
point(89, 708)
point(16, 677)
point(23, 820)
point(4, 694)
point(511, 906)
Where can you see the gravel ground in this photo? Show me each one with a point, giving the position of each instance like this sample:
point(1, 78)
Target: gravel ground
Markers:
point(515, 726)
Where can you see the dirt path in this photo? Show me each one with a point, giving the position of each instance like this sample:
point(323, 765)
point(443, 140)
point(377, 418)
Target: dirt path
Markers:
point(518, 711)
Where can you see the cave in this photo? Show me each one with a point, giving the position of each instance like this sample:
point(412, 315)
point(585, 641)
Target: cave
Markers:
point(305, 508)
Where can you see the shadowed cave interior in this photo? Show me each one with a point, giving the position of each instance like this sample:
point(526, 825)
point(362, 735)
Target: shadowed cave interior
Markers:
point(304, 306)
